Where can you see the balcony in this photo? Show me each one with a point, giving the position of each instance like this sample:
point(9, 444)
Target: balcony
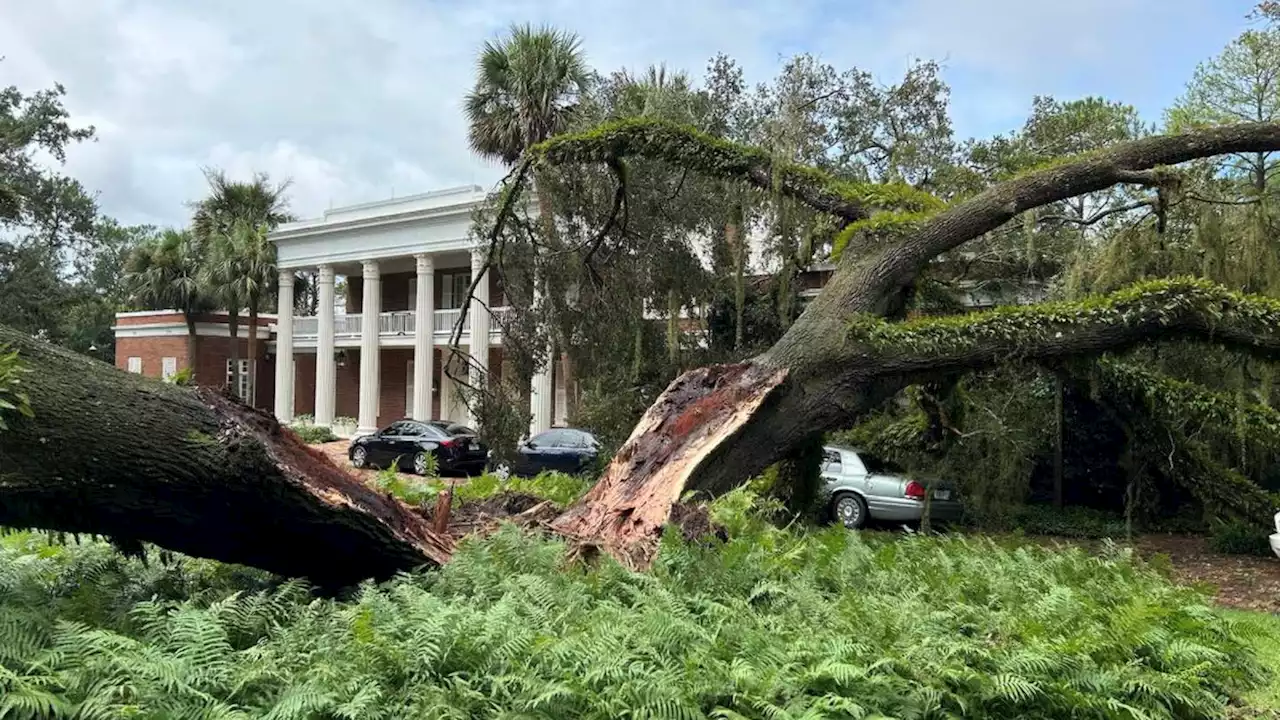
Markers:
point(397, 324)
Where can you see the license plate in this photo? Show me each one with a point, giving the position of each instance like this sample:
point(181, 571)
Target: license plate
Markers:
point(941, 494)
point(474, 445)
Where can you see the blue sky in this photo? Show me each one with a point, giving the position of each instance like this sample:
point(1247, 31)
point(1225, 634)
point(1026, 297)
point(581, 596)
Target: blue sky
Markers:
point(360, 100)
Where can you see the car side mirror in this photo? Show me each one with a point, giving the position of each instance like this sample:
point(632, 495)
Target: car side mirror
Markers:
point(531, 445)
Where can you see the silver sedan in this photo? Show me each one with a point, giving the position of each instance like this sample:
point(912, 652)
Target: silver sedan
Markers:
point(858, 489)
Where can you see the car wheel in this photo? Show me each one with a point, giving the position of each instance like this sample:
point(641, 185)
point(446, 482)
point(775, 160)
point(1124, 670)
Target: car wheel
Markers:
point(502, 470)
point(359, 457)
point(850, 510)
point(420, 462)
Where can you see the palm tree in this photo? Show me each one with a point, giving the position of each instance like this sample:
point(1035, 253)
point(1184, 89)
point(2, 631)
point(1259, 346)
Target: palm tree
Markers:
point(234, 221)
point(528, 88)
point(163, 273)
point(242, 265)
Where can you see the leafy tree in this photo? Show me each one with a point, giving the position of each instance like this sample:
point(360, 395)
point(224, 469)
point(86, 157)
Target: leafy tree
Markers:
point(37, 204)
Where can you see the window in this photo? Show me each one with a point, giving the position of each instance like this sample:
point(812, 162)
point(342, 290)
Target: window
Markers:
point(135, 365)
point(168, 367)
point(238, 378)
point(453, 289)
point(831, 461)
point(554, 438)
point(880, 465)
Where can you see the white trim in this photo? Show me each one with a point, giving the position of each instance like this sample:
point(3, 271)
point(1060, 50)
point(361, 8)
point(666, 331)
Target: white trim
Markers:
point(180, 330)
point(362, 255)
point(171, 311)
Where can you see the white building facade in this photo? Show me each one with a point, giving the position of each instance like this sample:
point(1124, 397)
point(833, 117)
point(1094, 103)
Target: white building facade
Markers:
point(384, 351)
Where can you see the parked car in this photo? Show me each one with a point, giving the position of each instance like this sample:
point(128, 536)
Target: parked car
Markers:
point(566, 450)
point(1275, 539)
point(859, 487)
point(409, 443)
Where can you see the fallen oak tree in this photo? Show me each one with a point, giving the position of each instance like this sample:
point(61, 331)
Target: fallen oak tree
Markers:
point(716, 426)
point(188, 469)
point(110, 453)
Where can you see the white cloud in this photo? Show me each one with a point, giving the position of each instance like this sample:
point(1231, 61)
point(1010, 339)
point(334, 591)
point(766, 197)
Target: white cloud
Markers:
point(356, 101)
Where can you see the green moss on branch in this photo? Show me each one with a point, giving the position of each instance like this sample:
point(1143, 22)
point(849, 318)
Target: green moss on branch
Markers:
point(689, 148)
point(1145, 310)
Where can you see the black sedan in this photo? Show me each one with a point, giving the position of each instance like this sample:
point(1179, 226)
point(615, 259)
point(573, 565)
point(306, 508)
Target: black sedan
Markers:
point(566, 450)
point(409, 443)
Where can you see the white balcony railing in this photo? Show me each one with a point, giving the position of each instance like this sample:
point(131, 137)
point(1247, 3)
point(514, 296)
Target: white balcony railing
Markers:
point(390, 324)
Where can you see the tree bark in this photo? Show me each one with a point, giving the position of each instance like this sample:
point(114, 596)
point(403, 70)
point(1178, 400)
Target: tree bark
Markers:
point(814, 379)
point(252, 350)
point(117, 454)
point(193, 347)
point(233, 351)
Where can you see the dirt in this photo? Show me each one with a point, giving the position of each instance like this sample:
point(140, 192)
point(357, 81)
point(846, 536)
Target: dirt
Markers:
point(1243, 582)
point(337, 452)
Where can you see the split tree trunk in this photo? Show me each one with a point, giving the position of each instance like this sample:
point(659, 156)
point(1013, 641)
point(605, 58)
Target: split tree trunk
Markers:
point(116, 454)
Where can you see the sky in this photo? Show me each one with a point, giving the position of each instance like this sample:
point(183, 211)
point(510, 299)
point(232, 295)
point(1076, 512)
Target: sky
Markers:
point(361, 100)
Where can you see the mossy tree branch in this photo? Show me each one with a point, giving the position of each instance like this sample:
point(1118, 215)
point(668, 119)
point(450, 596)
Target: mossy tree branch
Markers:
point(1146, 312)
point(688, 148)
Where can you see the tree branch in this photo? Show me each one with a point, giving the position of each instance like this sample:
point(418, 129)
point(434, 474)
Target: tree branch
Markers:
point(1098, 216)
point(715, 157)
point(1183, 308)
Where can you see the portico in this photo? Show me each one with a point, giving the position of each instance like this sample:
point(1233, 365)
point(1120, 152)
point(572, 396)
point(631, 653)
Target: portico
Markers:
point(406, 266)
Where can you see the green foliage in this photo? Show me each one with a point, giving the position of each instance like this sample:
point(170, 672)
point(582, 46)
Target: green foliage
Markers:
point(313, 434)
point(690, 148)
point(185, 377)
point(560, 488)
point(1072, 522)
point(1239, 538)
point(1164, 301)
point(13, 401)
point(771, 624)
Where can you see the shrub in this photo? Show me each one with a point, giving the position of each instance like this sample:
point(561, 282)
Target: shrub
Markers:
point(1238, 538)
point(314, 434)
point(185, 377)
point(772, 623)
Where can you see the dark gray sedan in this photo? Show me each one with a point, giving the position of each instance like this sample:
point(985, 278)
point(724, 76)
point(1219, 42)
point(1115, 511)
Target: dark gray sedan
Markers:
point(859, 488)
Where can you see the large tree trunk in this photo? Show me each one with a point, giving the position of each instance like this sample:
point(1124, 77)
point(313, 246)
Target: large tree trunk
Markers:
point(193, 343)
point(233, 351)
point(121, 455)
point(252, 351)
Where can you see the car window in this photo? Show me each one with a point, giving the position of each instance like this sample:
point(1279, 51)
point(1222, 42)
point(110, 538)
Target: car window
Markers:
point(395, 428)
point(879, 465)
point(550, 438)
point(413, 429)
point(831, 461)
point(459, 430)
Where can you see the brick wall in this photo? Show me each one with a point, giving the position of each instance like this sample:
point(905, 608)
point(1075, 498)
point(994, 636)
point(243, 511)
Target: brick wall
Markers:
point(151, 350)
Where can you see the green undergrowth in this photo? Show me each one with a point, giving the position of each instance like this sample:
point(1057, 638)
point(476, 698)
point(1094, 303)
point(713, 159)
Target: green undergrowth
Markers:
point(1262, 633)
point(314, 434)
point(560, 488)
point(775, 623)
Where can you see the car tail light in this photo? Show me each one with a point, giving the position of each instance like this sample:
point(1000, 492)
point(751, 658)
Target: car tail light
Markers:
point(447, 443)
point(914, 490)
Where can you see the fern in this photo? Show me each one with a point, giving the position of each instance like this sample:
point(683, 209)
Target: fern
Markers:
point(773, 623)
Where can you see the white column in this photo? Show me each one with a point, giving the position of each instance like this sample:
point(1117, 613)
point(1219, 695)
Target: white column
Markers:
point(284, 349)
point(369, 366)
point(326, 373)
point(541, 393)
point(424, 337)
point(479, 313)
